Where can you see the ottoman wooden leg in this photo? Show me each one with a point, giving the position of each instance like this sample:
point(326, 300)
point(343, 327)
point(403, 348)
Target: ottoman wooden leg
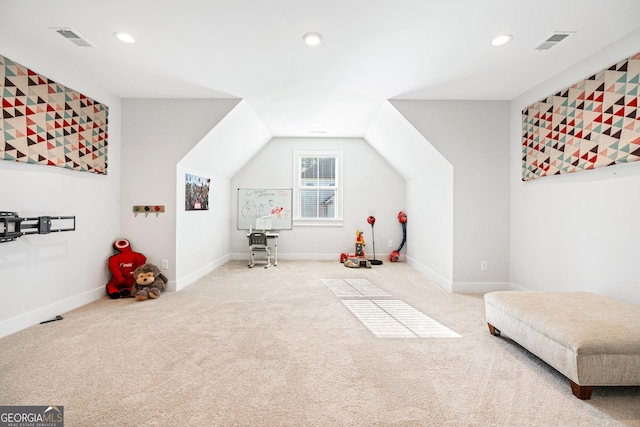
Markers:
point(493, 331)
point(581, 392)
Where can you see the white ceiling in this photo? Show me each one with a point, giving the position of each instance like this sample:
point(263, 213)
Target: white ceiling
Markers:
point(372, 50)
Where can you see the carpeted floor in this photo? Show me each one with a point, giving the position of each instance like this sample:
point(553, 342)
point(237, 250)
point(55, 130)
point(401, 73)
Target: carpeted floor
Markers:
point(277, 347)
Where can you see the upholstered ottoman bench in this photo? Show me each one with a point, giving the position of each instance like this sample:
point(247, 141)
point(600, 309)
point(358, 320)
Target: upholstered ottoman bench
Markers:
point(590, 339)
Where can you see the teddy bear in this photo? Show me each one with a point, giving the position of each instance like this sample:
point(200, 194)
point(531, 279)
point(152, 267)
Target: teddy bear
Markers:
point(149, 282)
point(121, 267)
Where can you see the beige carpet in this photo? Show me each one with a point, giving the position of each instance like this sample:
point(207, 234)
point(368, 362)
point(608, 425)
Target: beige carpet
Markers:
point(276, 347)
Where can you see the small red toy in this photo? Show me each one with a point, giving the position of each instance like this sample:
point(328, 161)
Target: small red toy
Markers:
point(121, 266)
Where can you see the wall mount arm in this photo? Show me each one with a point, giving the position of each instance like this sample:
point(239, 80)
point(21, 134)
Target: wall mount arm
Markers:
point(12, 225)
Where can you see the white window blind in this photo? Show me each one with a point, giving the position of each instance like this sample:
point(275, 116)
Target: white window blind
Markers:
point(318, 186)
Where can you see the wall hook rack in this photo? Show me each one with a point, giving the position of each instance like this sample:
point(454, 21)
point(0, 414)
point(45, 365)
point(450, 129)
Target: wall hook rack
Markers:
point(147, 209)
point(12, 225)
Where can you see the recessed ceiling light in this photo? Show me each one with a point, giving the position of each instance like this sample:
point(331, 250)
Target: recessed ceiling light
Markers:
point(124, 37)
point(312, 39)
point(501, 40)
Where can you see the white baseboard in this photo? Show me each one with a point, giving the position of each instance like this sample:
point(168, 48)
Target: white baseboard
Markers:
point(244, 256)
point(513, 287)
point(479, 287)
point(458, 287)
point(195, 275)
point(445, 283)
point(33, 317)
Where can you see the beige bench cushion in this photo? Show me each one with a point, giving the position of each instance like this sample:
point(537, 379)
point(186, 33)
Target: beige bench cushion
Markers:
point(591, 339)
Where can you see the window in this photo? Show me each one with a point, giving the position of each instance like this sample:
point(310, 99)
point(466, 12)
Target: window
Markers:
point(318, 187)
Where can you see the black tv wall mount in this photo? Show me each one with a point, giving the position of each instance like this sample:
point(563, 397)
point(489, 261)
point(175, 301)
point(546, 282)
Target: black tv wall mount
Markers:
point(13, 226)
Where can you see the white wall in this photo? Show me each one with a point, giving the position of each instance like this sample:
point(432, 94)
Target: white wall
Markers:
point(474, 137)
point(202, 237)
point(45, 275)
point(576, 232)
point(157, 134)
point(429, 193)
point(371, 185)
point(430, 223)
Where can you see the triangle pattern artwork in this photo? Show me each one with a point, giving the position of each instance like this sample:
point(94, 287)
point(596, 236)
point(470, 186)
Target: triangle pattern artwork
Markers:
point(46, 123)
point(594, 123)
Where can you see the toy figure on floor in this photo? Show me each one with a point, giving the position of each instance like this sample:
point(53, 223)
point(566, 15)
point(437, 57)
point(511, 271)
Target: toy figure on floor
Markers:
point(122, 266)
point(358, 255)
point(359, 243)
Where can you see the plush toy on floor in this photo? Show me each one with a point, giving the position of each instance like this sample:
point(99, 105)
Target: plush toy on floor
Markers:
point(149, 282)
point(121, 267)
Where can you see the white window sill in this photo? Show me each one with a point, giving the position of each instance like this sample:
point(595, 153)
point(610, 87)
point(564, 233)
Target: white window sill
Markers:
point(318, 222)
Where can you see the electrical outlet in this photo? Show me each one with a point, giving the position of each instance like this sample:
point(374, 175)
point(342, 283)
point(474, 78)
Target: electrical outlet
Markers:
point(484, 266)
point(165, 264)
point(390, 243)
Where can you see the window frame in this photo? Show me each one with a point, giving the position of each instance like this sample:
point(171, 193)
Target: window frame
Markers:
point(337, 220)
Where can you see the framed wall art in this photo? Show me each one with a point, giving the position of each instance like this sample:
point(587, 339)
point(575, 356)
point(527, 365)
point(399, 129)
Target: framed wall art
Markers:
point(196, 193)
point(591, 124)
point(47, 123)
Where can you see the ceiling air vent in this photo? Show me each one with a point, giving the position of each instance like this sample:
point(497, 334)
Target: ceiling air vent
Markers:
point(73, 37)
point(553, 40)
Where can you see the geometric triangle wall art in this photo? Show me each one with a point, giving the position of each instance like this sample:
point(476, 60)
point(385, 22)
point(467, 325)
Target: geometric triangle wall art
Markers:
point(593, 123)
point(46, 123)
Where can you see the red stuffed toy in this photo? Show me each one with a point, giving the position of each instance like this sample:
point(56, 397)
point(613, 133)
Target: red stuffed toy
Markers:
point(122, 266)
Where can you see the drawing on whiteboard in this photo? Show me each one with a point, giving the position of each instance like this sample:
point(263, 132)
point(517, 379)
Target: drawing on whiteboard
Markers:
point(277, 212)
point(273, 205)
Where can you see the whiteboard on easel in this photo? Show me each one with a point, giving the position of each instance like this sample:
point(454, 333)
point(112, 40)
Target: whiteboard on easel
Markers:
point(268, 209)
